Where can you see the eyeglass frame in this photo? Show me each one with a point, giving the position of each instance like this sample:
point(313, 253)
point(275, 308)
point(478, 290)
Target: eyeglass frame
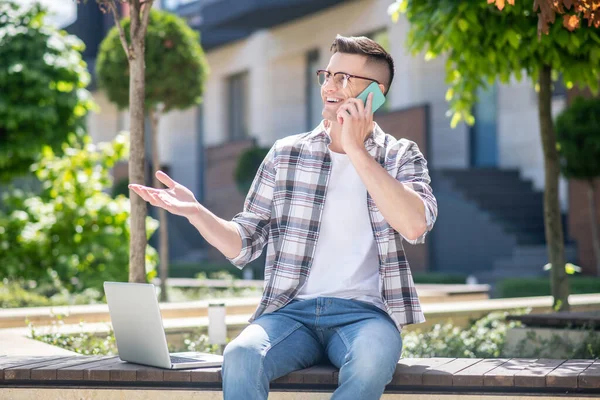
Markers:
point(348, 76)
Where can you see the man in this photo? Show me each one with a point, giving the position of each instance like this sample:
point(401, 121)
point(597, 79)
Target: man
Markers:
point(333, 207)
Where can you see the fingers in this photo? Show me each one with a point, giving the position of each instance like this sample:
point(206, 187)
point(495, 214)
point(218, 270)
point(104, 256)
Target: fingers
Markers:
point(342, 113)
point(357, 105)
point(148, 194)
point(368, 105)
point(351, 108)
point(165, 179)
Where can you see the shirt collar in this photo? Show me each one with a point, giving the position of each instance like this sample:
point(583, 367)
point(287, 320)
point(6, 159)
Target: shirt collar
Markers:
point(377, 136)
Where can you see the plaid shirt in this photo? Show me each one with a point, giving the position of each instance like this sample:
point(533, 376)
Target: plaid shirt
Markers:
point(283, 210)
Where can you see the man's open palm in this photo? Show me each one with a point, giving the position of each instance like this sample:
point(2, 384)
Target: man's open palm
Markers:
point(176, 198)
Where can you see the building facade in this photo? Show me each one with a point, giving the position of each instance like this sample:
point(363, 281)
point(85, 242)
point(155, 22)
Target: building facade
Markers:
point(262, 86)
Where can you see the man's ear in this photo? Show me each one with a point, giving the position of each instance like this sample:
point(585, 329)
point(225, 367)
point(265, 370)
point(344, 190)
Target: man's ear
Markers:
point(382, 88)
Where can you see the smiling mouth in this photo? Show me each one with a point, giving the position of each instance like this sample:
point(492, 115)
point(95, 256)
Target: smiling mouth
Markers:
point(331, 100)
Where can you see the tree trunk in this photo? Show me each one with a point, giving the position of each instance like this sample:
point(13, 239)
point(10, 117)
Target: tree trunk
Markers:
point(138, 239)
point(594, 222)
point(163, 232)
point(552, 214)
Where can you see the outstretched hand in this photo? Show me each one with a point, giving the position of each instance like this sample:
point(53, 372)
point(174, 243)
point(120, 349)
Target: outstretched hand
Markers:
point(176, 198)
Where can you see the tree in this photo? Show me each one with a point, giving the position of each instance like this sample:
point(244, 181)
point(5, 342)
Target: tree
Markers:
point(42, 87)
point(483, 44)
point(139, 11)
point(573, 12)
point(176, 70)
point(578, 138)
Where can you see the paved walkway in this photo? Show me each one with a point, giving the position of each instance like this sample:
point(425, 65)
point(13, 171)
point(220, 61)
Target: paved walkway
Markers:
point(16, 343)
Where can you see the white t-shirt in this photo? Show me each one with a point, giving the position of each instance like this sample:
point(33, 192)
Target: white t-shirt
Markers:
point(346, 263)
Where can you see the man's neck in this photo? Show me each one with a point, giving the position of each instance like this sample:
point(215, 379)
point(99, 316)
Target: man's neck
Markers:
point(335, 133)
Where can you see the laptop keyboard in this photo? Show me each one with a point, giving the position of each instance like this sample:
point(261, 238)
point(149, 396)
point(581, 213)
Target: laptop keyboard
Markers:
point(177, 359)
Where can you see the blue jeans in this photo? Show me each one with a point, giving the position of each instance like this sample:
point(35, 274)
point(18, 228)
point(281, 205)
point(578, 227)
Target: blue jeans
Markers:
point(358, 338)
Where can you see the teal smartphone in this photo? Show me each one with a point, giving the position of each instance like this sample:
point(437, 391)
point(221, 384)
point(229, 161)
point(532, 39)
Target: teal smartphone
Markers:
point(378, 97)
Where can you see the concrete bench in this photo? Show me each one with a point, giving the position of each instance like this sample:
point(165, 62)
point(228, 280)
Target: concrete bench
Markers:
point(83, 377)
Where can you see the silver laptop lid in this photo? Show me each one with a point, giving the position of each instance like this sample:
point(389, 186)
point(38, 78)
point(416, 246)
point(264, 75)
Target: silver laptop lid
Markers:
point(137, 323)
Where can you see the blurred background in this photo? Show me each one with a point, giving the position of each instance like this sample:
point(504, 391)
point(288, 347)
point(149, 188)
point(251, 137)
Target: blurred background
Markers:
point(262, 55)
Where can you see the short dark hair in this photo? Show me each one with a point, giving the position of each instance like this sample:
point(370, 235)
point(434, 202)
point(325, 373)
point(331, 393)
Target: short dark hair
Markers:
point(362, 45)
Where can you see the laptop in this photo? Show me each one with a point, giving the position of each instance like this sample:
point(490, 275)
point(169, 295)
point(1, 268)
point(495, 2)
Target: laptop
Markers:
point(139, 331)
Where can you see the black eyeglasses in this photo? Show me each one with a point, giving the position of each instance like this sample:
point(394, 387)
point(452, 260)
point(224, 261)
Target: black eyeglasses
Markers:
point(339, 78)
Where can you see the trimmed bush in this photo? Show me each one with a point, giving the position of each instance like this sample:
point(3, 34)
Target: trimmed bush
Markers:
point(527, 287)
point(435, 277)
point(247, 167)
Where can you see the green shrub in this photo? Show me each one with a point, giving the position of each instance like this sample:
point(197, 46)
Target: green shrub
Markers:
point(436, 277)
point(73, 229)
point(526, 287)
point(213, 269)
point(13, 295)
point(578, 139)
point(105, 344)
point(191, 270)
point(83, 343)
point(484, 339)
point(247, 167)
point(539, 347)
point(121, 188)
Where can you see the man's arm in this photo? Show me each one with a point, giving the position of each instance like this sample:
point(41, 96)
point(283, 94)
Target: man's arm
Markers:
point(221, 234)
point(179, 200)
point(405, 201)
point(240, 240)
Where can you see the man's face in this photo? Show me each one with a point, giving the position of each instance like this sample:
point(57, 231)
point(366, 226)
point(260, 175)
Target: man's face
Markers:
point(332, 94)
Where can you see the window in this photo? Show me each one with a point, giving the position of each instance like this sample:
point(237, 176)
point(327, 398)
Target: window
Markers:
point(484, 141)
point(237, 101)
point(314, 103)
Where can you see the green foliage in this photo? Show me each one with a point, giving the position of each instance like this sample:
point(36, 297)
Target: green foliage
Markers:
point(191, 270)
point(247, 167)
point(538, 346)
point(83, 342)
point(526, 287)
point(483, 339)
point(176, 67)
point(13, 295)
point(440, 278)
point(73, 230)
point(483, 44)
point(195, 342)
point(23, 293)
point(88, 343)
point(486, 338)
point(42, 87)
point(121, 188)
point(578, 139)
